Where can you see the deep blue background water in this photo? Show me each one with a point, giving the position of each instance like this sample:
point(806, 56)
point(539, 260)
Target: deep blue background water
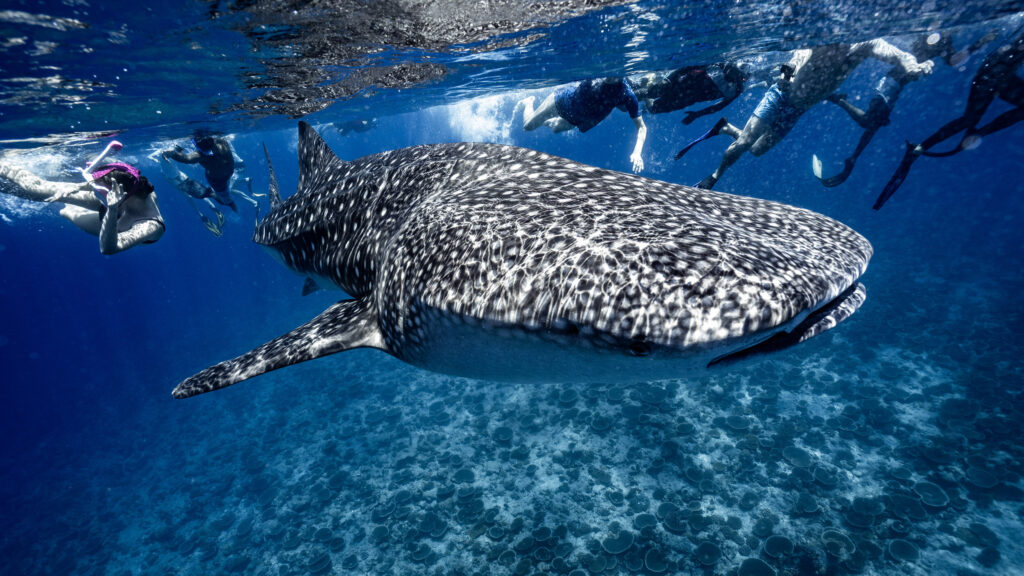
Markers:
point(91, 346)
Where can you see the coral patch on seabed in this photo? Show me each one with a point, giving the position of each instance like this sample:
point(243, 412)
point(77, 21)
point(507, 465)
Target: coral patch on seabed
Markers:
point(845, 459)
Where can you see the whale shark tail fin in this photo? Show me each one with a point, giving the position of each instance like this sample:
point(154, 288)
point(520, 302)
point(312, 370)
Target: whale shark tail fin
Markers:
point(345, 325)
point(275, 191)
point(826, 318)
point(316, 159)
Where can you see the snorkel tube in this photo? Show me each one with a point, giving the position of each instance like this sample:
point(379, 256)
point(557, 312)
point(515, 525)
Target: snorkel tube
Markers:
point(100, 190)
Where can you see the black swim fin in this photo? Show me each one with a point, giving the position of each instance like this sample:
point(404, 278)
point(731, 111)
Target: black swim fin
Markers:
point(714, 131)
point(707, 183)
point(345, 325)
point(898, 177)
point(833, 181)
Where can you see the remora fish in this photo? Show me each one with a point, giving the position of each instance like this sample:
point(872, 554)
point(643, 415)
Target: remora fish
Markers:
point(505, 263)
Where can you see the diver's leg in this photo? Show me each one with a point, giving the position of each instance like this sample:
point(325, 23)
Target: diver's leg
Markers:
point(535, 118)
point(24, 184)
point(87, 220)
point(752, 132)
point(858, 115)
point(1012, 92)
point(1001, 122)
point(559, 124)
point(977, 103)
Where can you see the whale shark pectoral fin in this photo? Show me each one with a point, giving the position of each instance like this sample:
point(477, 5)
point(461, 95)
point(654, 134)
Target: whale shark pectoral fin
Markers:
point(346, 325)
point(825, 318)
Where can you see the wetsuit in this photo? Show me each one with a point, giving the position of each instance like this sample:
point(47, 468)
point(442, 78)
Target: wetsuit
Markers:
point(996, 77)
point(586, 104)
point(218, 163)
point(692, 84)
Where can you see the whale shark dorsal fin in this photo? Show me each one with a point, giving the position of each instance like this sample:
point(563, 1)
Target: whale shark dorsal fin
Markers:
point(275, 191)
point(345, 325)
point(315, 156)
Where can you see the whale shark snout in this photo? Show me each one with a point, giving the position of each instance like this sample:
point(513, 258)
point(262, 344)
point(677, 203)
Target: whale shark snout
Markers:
point(506, 263)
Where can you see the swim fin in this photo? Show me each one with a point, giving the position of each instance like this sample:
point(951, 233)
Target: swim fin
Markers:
point(832, 181)
point(707, 183)
point(899, 176)
point(714, 131)
point(213, 228)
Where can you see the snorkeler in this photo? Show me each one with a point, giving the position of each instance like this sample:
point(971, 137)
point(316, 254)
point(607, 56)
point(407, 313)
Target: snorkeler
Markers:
point(997, 77)
point(809, 77)
point(115, 202)
point(684, 87)
point(217, 158)
point(585, 105)
point(926, 47)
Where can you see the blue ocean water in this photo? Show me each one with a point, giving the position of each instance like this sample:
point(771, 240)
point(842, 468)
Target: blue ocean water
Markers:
point(890, 445)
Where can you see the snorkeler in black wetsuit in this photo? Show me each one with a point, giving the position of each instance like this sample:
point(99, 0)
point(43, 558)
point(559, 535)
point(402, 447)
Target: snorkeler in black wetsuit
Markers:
point(887, 91)
point(217, 159)
point(997, 77)
point(686, 86)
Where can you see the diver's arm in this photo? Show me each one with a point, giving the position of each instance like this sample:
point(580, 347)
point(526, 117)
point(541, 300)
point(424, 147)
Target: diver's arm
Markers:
point(108, 226)
point(691, 116)
point(641, 135)
point(179, 155)
point(881, 50)
point(142, 231)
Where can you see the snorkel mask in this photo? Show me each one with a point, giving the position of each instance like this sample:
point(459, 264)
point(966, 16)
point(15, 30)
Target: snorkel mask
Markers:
point(92, 177)
point(200, 149)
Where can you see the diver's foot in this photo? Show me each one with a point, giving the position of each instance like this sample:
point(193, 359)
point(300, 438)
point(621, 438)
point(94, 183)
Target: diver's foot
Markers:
point(836, 98)
point(714, 131)
point(523, 105)
point(707, 183)
point(718, 127)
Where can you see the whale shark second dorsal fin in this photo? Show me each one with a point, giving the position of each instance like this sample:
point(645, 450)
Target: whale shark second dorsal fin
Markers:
point(315, 157)
point(345, 325)
point(275, 191)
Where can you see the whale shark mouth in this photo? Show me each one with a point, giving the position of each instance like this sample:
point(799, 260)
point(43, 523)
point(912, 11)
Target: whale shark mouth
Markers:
point(824, 318)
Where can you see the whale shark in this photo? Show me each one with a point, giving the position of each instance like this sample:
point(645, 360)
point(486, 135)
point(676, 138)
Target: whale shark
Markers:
point(504, 263)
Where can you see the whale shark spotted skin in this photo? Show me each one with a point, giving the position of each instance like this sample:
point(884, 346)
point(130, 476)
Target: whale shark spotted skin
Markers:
point(505, 263)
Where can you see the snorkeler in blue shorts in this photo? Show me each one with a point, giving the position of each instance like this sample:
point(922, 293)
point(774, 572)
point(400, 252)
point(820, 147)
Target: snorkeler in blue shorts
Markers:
point(217, 158)
point(585, 105)
point(775, 117)
point(997, 77)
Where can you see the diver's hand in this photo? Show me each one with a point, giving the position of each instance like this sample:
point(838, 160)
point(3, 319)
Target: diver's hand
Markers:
point(116, 196)
point(690, 117)
point(921, 69)
point(638, 162)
